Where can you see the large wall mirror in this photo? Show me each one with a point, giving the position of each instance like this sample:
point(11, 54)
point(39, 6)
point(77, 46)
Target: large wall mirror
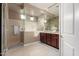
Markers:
point(48, 23)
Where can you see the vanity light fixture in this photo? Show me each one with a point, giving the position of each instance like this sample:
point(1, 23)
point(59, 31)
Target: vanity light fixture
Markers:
point(45, 21)
point(32, 18)
point(22, 13)
point(23, 17)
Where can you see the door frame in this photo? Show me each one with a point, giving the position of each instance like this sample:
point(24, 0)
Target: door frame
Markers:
point(4, 37)
point(60, 29)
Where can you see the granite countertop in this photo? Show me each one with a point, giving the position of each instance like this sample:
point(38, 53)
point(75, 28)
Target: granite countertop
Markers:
point(43, 32)
point(49, 32)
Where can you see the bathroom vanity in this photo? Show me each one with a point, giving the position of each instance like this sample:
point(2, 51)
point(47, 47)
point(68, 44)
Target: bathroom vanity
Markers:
point(51, 39)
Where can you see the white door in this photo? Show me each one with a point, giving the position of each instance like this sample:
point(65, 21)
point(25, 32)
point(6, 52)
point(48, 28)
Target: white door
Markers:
point(67, 29)
point(76, 40)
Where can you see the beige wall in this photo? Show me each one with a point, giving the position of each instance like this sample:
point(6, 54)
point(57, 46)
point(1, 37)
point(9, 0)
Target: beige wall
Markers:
point(30, 34)
point(30, 26)
point(12, 20)
point(13, 11)
point(30, 37)
point(12, 38)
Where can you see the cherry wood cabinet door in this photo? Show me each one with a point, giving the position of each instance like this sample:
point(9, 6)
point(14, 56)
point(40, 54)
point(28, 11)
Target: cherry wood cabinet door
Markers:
point(43, 37)
point(53, 42)
point(48, 38)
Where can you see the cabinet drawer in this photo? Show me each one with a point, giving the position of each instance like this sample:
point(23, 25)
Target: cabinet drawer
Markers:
point(53, 42)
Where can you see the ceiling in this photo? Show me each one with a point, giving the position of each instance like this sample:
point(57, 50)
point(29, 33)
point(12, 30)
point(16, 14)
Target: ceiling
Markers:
point(50, 7)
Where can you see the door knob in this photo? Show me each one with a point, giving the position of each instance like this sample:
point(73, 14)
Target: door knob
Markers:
point(61, 36)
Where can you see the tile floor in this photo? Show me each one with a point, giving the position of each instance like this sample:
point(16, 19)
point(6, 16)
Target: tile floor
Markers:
point(34, 49)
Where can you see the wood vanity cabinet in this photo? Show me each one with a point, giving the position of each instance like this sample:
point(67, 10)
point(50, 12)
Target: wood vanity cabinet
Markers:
point(50, 39)
point(43, 36)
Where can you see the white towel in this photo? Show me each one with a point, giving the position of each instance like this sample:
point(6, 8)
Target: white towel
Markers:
point(16, 29)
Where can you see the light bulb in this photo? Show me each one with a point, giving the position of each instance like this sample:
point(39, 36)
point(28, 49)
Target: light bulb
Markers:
point(31, 18)
point(23, 17)
point(45, 21)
